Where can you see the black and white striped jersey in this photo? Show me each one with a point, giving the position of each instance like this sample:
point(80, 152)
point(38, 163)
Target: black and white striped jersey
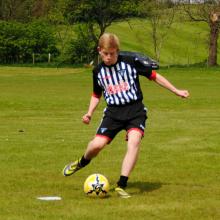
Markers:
point(120, 82)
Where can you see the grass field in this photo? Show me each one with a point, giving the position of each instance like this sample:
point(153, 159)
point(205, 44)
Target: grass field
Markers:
point(178, 172)
point(186, 42)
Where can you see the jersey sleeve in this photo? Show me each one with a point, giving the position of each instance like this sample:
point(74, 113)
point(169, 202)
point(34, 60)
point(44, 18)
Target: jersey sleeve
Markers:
point(97, 90)
point(143, 64)
point(144, 69)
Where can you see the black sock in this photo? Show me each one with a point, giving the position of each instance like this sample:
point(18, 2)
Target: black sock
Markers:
point(122, 181)
point(83, 162)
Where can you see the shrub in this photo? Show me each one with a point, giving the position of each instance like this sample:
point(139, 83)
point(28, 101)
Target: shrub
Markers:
point(19, 41)
point(81, 49)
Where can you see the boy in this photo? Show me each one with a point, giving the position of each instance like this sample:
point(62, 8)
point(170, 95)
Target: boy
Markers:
point(118, 79)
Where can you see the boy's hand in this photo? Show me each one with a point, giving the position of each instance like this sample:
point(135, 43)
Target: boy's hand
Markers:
point(182, 93)
point(86, 118)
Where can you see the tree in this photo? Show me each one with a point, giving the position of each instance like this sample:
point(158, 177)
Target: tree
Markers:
point(99, 14)
point(81, 48)
point(19, 10)
point(41, 8)
point(208, 12)
point(25, 10)
point(19, 41)
point(161, 16)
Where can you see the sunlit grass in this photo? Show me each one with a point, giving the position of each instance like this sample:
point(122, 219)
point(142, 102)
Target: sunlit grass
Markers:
point(178, 172)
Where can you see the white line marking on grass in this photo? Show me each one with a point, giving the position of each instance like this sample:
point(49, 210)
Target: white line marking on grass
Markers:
point(49, 198)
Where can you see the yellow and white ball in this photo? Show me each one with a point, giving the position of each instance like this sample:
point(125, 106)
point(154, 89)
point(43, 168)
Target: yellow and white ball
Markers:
point(96, 185)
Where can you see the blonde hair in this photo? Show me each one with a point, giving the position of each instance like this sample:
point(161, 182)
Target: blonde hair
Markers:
point(109, 40)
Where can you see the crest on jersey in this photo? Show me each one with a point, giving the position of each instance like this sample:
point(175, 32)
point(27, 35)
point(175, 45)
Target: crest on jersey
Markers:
point(121, 72)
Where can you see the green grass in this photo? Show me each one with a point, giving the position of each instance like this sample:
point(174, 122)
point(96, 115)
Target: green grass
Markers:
point(186, 42)
point(178, 172)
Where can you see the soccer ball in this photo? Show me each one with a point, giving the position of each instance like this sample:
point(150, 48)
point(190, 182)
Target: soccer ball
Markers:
point(96, 185)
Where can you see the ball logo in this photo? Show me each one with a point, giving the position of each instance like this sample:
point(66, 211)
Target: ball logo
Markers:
point(96, 185)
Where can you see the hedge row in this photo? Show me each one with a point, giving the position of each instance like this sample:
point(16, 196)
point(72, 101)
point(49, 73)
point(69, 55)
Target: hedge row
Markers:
point(18, 42)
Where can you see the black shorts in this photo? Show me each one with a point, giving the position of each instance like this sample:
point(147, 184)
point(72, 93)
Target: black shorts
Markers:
point(117, 118)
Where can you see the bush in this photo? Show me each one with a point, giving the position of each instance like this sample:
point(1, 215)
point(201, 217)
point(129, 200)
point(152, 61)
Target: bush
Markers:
point(81, 49)
point(19, 41)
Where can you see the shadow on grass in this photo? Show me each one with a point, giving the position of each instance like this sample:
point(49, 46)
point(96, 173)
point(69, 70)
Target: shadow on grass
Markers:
point(145, 186)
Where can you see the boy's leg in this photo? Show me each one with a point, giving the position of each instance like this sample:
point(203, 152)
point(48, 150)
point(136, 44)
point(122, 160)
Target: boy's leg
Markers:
point(131, 156)
point(93, 148)
point(134, 139)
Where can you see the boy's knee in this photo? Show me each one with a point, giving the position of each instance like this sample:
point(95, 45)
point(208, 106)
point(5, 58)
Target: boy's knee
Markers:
point(97, 145)
point(134, 141)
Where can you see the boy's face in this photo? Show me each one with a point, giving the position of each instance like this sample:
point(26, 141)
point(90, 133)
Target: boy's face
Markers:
point(108, 56)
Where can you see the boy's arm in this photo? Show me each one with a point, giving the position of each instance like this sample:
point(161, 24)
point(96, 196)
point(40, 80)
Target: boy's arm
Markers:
point(166, 84)
point(94, 101)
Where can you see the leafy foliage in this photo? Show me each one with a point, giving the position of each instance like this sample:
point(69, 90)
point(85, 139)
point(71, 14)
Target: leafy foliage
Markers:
point(26, 10)
point(81, 48)
point(19, 41)
point(98, 15)
point(102, 12)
